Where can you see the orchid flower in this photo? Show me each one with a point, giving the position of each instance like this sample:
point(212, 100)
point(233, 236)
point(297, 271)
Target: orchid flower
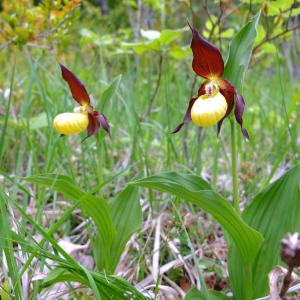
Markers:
point(84, 116)
point(216, 96)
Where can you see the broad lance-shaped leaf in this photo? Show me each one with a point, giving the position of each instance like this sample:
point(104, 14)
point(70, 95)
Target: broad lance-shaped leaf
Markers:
point(240, 52)
point(109, 93)
point(126, 214)
point(95, 207)
point(273, 212)
point(197, 191)
point(114, 229)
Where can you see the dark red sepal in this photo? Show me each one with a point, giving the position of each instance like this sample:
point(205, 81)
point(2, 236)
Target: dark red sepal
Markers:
point(77, 88)
point(187, 118)
point(208, 61)
point(104, 123)
point(239, 111)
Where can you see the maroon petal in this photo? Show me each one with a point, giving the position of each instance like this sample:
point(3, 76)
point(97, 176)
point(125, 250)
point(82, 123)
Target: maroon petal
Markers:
point(104, 123)
point(228, 91)
point(187, 118)
point(239, 111)
point(94, 124)
point(219, 126)
point(77, 88)
point(201, 90)
point(208, 61)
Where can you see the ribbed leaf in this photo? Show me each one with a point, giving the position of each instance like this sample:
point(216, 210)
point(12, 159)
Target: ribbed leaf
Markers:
point(127, 218)
point(197, 191)
point(110, 287)
point(236, 65)
point(109, 92)
point(273, 212)
point(95, 207)
point(239, 53)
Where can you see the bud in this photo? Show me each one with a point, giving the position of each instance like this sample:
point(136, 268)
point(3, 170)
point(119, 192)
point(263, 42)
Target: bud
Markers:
point(209, 109)
point(71, 123)
point(290, 250)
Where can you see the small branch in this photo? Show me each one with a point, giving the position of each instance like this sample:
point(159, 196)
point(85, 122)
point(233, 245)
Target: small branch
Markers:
point(275, 37)
point(249, 10)
point(44, 34)
point(55, 28)
point(160, 63)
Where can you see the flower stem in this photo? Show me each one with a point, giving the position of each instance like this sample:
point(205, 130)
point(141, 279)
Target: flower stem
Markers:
point(234, 172)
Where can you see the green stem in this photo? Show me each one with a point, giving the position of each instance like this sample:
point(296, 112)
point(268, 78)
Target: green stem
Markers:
point(234, 172)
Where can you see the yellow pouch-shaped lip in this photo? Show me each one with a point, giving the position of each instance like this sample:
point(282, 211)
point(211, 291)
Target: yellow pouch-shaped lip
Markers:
point(71, 123)
point(209, 110)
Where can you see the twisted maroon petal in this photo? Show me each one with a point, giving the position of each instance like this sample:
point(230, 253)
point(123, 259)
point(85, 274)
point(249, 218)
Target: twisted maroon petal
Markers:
point(239, 111)
point(77, 88)
point(93, 125)
point(104, 123)
point(207, 61)
point(228, 91)
point(187, 118)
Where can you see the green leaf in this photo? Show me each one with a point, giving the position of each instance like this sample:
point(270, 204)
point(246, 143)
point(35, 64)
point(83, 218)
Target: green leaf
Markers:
point(127, 218)
point(195, 294)
point(239, 53)
point(95, 207)
point(7, 248)
point(109, 287)
point(236, 65)
point(197, 191)
point(109, 92)
point(277, 7)
point(273, 212)
point(168, 35)
point(5, 289)
point(228, 33)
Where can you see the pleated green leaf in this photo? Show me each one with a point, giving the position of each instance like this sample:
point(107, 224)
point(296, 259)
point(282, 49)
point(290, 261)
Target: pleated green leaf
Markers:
point(95, 207)
point(126, 214)
point(197, 191)
point(240, 52)
point(273, 212)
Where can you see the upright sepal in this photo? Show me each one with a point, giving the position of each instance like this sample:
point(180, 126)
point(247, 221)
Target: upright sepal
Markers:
point(208, 61)
point(77, 88)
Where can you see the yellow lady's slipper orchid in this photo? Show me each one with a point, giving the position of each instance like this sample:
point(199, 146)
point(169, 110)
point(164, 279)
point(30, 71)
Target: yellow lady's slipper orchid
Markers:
point(84, 116)
point(217, 97)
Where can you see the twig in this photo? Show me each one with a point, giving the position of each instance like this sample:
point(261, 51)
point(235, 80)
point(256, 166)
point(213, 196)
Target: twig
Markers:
point(55, 28)
point(44, 34)
point(275, 37)
point(249, 10)
point(160, 63)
